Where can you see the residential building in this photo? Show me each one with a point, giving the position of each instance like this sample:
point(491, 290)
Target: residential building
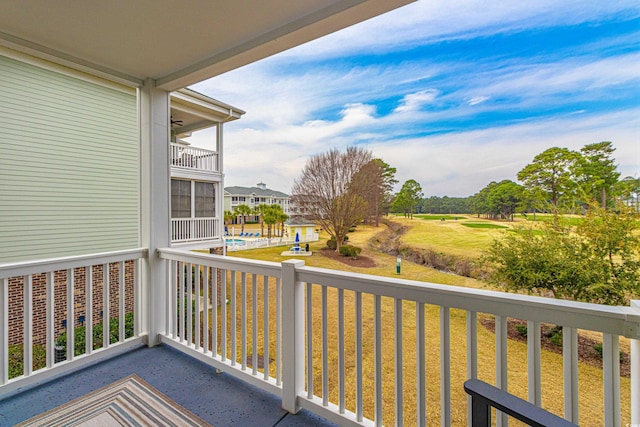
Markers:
point(85, 206)
point(254, 196)
point(197, 214)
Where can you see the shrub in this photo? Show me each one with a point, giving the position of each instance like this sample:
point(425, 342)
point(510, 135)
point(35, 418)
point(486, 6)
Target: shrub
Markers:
point(351, 251)
point(332, 244)
point(598, 349)
point(79, 334)
point(555, 335)
point(16, 360)
point(522, 330)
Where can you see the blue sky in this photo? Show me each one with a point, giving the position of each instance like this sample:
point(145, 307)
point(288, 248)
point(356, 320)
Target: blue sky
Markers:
point(452, 94)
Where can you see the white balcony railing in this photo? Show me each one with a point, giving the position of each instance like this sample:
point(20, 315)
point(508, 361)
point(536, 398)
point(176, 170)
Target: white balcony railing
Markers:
point(194, 229)
point(45, 304)
point(332, 342)
point(352, 348)
point(185, 156)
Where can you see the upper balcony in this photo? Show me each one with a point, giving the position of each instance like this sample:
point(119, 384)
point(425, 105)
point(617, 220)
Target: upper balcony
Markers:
point(354, 349)
point(193, 158)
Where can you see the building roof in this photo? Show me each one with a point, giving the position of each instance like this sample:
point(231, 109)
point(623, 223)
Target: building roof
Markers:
point(174, 44)
point(250, 191)
point(299, 221)
point(192, 111)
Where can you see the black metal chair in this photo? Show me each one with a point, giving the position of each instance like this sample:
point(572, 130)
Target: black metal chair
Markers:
point(485, 396)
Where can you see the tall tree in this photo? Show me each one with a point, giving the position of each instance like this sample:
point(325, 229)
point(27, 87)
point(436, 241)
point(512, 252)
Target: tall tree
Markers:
point(324, 191)
point(272, 215)
point(374, 182)
point(242, 211)
point(629, 189)
point(229, 217)
point(258, 211)
point(269, 216)
point(596, 172)
point(480, 201)
point(409, 197)
point(550, 174)
point(504, 198)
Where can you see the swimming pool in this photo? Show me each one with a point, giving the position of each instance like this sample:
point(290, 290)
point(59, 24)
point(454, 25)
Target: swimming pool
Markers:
point(236, 242)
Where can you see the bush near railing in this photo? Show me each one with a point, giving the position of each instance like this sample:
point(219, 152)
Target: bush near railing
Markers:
point(16, 361)
point(79, 334)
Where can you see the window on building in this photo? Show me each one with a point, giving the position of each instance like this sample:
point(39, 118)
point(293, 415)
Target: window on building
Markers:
point(180, 199)
point(205, 200)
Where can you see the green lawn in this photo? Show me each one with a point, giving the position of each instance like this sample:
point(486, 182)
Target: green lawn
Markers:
point(433, 217)
point(486, 225)
point(568, 220)
point(453, 237)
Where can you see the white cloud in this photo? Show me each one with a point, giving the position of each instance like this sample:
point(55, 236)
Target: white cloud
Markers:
point(414, 101)
point(477, 100)
point(439, 20)
point(299, 104)
point(462, 163)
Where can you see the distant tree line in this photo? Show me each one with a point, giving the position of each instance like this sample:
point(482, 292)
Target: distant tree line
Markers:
point(558, 180)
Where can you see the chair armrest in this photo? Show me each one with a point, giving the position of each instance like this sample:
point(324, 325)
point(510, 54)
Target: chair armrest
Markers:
point(484, 396)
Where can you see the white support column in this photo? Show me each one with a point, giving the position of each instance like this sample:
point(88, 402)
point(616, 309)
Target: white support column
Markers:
point(219, 146)
point(635, 374)
point(220, 190)
point(154, 207)
point(292, 336)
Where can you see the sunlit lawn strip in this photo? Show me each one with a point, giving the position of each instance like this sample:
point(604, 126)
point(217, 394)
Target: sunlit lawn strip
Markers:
point(486, 225)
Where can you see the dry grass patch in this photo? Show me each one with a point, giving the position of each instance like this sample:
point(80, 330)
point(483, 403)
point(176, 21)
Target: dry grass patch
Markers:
point(590, 377)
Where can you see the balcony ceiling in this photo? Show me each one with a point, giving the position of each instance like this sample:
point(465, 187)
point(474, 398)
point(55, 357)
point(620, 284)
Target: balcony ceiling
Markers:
point(176, 43)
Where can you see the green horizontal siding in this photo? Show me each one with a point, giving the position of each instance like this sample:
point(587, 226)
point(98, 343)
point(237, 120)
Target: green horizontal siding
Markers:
point(69, 165)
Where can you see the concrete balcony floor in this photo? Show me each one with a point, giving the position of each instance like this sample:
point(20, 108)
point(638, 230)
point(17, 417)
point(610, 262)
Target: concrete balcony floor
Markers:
point(218, 399)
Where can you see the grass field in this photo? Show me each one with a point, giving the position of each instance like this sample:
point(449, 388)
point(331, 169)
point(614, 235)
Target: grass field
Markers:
point(485, 225)
point(462, 237)
point(455, 238)
point(432, 217)
point(568, 220)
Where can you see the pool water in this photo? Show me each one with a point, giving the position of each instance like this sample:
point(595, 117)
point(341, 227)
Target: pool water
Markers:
point(237, 242)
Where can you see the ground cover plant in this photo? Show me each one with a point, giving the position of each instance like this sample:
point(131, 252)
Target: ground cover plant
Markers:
point(591, 388)
point(16, 351)
point(439, 217)
point(485, 225)
point(563, 220)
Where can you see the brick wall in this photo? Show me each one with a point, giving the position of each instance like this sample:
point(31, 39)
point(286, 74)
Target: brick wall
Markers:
point(16, 299)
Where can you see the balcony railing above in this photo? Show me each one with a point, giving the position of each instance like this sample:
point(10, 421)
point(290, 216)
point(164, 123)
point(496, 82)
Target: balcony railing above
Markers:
point(184, 156)
point(194, 229)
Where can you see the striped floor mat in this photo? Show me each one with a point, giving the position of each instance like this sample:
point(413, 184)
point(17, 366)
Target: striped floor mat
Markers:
point(128, 402)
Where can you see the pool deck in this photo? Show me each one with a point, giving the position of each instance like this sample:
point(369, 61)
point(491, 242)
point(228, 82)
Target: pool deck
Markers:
point(217, 398)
